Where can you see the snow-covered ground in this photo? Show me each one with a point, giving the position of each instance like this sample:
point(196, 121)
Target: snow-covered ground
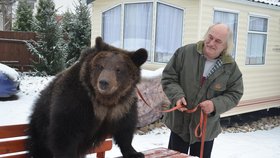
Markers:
point(256, 144)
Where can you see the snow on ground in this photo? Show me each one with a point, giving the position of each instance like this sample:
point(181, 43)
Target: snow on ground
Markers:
point(259, 144)
point(17, 111)
point(256, 144)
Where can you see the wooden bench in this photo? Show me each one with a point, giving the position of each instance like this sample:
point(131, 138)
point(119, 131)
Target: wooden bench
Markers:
point(13, 139)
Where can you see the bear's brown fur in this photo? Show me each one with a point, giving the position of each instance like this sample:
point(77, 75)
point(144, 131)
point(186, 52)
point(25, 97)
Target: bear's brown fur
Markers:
point(92, 99)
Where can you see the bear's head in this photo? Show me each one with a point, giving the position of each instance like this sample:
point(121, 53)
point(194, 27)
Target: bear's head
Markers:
point(110, 73)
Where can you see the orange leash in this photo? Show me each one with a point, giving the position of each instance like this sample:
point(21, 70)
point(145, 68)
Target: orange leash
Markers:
point(201, 127)
point(200, 130)
point(178, 107)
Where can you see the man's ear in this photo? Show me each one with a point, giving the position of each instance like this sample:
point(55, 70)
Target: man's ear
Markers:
point(139, 57)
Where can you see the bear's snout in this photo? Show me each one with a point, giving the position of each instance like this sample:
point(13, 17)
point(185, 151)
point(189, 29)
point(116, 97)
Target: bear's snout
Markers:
point(103, 84)
point(107, 83)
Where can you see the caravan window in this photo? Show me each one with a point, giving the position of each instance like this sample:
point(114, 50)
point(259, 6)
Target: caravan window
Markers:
point(256, 41)
point(148, 25)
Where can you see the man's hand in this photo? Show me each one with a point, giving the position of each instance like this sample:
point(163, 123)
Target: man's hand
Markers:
point(207, 106)
point(182, 102)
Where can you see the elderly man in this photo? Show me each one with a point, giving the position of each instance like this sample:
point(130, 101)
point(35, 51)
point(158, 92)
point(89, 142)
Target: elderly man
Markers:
point(202, 75)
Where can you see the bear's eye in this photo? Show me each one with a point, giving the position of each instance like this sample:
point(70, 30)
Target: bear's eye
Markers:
point(118, 70)
point(99, 67)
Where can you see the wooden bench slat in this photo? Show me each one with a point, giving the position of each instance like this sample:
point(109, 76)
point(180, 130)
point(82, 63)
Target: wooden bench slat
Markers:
point(18, 146)
point(21, 155)
point(12, 146)
point(13, 131)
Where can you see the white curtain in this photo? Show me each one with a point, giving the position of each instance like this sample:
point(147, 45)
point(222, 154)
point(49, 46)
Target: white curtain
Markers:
point(231, 20)
point(258, 24)
point(112, 26)
point(169, 30)
point(138, 26)
point(255, 45)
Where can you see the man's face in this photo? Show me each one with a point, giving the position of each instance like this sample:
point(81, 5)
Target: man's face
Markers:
point(215, 42)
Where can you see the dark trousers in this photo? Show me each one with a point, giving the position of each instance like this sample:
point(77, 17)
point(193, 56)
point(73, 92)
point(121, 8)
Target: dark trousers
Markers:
point(178, 144)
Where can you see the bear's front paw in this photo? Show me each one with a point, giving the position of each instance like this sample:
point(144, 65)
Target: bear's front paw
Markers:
point(135, 155)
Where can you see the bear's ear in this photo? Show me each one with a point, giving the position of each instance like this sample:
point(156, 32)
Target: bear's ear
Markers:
point(139, 57)
point(99, 44)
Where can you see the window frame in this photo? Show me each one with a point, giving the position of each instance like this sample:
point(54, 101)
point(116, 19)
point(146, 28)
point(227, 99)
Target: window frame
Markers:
point(235, 32)
point(121, 24)
point(156, 23)
point(258, 33)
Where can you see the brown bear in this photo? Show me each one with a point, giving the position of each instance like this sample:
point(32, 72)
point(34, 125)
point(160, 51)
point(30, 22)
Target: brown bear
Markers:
point(87, 102)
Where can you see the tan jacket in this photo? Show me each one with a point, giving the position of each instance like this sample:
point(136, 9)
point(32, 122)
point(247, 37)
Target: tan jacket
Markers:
point(181, 78)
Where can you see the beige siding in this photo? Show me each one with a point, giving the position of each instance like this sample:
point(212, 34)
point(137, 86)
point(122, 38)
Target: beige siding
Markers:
point(260, 81)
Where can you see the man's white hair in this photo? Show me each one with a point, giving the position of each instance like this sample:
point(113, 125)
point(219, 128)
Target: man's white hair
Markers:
point(229, 41)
